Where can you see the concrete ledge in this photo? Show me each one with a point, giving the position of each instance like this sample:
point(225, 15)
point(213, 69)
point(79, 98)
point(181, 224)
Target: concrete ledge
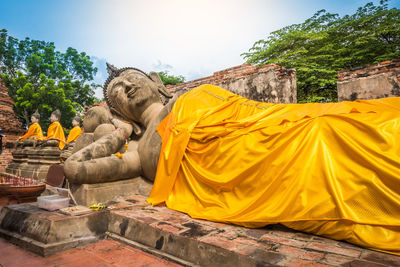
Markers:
point(193, 250)
point(88, 194)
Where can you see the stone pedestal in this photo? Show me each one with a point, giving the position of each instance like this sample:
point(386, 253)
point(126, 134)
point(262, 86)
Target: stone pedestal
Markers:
point(88, 194)
point(33, 159)
point(20, 158)
point(67, 151)
point(45, 233)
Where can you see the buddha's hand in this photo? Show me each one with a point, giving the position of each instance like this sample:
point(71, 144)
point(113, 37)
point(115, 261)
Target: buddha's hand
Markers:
point(123, 125)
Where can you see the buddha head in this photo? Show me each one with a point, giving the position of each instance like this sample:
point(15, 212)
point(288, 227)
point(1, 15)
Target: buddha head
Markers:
point(55, 115)
point(76, 121)
point(35, 117)
point(129, 91)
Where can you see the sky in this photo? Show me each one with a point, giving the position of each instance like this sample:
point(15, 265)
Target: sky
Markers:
point(184, 37)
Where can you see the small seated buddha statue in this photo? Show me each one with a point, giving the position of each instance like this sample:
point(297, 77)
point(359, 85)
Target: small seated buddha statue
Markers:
point(34, 130)
point(76, 131)
point(55, 130)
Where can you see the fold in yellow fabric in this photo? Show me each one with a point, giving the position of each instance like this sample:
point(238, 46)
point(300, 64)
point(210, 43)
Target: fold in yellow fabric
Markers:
point(56, 131)
point(74, 134)
point(34, 131)
point(330, 169)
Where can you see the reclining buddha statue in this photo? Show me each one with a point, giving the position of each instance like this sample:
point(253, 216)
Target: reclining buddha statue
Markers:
point(331, 169)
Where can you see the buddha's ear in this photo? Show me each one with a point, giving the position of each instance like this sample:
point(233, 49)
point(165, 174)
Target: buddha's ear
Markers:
point(160, 86)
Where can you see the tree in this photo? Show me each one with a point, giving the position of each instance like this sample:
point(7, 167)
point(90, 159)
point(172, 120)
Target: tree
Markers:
point(39, 77)
point(327, 43)
point(170, 79)
point(47, 98)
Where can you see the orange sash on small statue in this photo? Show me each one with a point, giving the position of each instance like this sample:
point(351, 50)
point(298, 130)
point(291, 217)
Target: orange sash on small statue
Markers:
point(34, 131)
point(74, 134)
point(56, 131)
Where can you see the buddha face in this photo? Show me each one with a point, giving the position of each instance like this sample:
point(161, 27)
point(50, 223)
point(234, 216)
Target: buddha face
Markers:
point(53, 118)
point(131, 93)
point(34, 119)
point(75, 123)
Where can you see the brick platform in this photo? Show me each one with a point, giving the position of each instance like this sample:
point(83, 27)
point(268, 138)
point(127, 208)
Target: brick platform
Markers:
point(215, 244)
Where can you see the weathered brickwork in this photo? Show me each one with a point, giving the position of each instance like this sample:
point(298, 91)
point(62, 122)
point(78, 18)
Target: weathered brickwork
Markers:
point(369, 82)
point(10, 126)
point(267, 83)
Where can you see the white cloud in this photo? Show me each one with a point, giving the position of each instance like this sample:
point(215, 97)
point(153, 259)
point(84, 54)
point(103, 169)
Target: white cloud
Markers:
point(159, 66)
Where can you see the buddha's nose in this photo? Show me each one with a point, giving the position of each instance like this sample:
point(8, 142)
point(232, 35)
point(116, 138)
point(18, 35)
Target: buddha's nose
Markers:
point(128, 87)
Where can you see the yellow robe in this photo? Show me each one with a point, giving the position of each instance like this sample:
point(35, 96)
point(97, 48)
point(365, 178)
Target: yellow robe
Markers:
point(34, 131)
point(74, 134)
point(329, 169)
point(56, 131)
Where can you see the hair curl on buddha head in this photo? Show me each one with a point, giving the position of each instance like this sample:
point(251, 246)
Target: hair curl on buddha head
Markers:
point(57, 114)
point(36, 114)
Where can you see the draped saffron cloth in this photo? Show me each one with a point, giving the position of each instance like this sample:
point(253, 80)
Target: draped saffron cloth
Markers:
point(34, 131)
point(56, 131)
point(329, 169)
point(74, 134)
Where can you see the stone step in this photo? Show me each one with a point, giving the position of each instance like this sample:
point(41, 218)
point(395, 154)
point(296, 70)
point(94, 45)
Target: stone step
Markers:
point(147, 249)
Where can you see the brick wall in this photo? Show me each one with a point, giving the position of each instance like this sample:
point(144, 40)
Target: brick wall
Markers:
point(10, 126)
point(369, 82)
point(267, 83)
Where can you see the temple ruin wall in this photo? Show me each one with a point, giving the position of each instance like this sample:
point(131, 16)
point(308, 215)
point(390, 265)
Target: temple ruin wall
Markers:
point(10, 126)
point(268, 83)
point(368, 82)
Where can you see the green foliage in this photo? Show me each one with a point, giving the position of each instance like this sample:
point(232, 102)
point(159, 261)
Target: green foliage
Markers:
point(47, 98)
point(39, 77)
point(327, 43)
point(170, 79)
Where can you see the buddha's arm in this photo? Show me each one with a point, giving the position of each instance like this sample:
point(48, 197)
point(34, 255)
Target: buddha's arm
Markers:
point(93, 164)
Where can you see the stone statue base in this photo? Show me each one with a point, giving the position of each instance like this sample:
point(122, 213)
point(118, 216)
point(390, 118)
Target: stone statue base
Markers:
point(45, 233)
point(89, 194)
point(33, 160)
